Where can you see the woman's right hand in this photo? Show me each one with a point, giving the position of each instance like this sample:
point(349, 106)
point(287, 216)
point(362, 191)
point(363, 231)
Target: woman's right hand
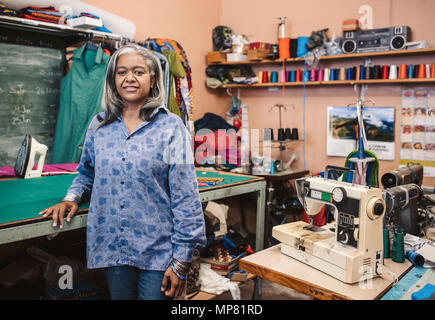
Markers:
point(58, 211)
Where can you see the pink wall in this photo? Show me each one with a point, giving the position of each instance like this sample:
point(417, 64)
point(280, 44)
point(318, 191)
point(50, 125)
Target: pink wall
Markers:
point(259, 23)
point(190, 22)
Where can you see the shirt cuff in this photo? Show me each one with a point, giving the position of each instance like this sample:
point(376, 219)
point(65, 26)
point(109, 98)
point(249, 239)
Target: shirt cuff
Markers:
point(184, 254)
point(71, 197)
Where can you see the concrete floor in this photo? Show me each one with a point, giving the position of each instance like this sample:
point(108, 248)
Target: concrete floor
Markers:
point(270, 291)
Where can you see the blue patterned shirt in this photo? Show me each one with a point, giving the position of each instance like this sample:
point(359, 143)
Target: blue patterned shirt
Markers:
point(145, 207)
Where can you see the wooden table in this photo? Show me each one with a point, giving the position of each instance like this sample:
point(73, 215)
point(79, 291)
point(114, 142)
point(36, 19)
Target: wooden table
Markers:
point(271, 264)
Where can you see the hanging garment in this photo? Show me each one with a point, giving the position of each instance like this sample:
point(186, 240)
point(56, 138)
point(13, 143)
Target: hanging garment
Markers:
point(80, 100)
point(165, 68)
point(176, 70)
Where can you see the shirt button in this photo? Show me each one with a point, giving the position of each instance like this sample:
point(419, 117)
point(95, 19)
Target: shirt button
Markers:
point(122, 206)
point(123, 159)
point(122, 182)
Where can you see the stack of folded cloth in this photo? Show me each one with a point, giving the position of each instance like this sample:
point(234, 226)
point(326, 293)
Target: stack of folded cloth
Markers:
point(47, 14)
point(4, 11)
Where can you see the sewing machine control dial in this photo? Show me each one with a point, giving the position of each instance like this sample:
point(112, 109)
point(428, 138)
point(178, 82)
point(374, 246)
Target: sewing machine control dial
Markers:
point(338, 194)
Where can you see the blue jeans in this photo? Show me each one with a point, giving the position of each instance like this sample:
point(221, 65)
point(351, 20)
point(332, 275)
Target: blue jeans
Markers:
point(131, 283)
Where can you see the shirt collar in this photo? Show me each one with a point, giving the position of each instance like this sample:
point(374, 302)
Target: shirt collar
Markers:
point(78, 53)
point(156, 110)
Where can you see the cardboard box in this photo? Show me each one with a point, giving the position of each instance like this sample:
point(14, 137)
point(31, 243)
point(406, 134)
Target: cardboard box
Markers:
point(258, 54)
point(350, 25)
point(216, 57)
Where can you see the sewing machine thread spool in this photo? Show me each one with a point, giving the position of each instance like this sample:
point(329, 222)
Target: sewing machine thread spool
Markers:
point(281, 134)
point(288, 134)
point(386, 243)
point(398, 248)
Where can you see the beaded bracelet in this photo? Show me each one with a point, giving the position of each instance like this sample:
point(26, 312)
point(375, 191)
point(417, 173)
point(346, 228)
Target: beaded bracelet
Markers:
point(178, 275)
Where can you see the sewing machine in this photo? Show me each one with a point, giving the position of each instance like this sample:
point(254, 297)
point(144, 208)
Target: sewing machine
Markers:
point(352, 251)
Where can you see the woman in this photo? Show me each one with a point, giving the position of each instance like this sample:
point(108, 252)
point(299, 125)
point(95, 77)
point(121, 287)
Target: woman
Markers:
point(145, 216)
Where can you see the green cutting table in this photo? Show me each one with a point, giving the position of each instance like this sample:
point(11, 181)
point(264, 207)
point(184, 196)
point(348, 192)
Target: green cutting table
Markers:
point(23, 199)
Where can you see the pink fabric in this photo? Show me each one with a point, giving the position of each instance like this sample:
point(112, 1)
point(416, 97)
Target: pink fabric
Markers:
point(61, 167)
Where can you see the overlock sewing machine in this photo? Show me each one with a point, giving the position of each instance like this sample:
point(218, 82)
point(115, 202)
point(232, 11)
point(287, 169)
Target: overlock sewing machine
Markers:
point(352, 251)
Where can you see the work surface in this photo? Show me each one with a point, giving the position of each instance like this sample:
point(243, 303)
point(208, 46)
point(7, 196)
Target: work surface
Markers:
point(23, 199)
point(271, 264)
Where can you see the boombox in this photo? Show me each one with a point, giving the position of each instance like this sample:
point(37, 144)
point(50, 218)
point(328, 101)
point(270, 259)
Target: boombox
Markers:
point(374, 40)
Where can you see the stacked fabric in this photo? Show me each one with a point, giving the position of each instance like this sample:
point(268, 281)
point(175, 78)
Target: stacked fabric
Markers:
point(46, 14)
point(4, 11)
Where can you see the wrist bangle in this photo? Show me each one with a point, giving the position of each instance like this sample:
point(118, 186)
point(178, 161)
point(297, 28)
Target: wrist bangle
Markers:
point(178, 275)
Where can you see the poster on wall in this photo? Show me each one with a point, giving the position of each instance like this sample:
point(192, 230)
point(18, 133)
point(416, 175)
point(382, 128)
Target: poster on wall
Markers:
point(417, 129)
point(379, 128)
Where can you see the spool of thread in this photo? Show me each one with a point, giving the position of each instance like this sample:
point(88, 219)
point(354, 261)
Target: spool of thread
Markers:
point(302, 46)
point(274, 77)
point(403, 72)
point(377, 74)
point(349, 74)
point(427, 70)
point(415, 258)
point(393, 72)
point(361, 72)
point(288, 134)
point(432, 70)
point(415, 71)
point(320, 75)
point(326, 74)
point(281, 134)
point(421, 71)
point(357, 73)
point(298, 75)
point(386, 243)
point(385, 71)
point(292, 76)
point(287, 76)
point(295, 134)
point(306, 76)
point(282, 76)
point(332, 74)
point(354, 73)
point(284, 48)
point(342, 74)
point(312, 75)
point(269, 76)
point(265, 77)
point(398, 248)
point(410, 71)
point(260, 77)
point(367, 73)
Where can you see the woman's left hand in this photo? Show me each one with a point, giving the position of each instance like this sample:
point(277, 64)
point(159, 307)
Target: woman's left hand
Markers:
point(176, 284)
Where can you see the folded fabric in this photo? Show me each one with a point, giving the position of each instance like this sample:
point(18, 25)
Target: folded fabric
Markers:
point(213, 283)
point(424, 293)
point(62, 167)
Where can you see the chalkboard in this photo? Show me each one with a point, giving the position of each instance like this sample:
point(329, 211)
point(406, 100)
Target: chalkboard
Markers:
point(30, 80)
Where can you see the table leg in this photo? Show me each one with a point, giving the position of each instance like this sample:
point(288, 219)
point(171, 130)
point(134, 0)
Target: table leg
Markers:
point(259, 237)
point(270, 190)
point(257, 289)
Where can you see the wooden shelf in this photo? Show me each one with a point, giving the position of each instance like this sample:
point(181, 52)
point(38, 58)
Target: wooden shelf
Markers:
point(329, 83)
point(337, 57)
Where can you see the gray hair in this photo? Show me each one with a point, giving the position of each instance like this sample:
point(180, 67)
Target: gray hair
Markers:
point(111, 101)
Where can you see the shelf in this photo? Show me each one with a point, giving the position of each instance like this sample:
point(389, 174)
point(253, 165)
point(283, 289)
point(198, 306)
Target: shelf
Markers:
point(336, 57)
point(329, 83)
